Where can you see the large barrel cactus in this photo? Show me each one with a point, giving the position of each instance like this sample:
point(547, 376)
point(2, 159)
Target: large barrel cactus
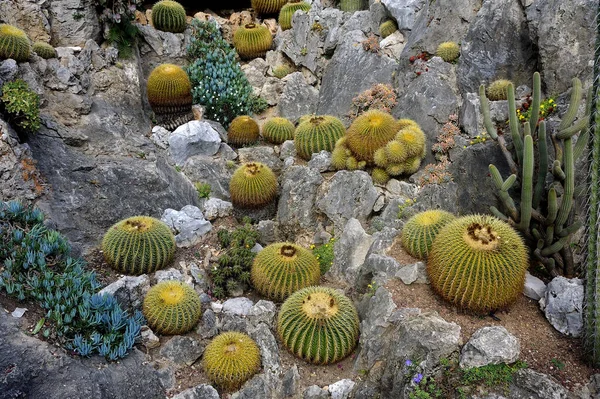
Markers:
point(14, 43)
point(316, 134)
point(169, 89)
point(169, 16)
point(252, 41)
point(243, 130)
point(253, 185)
point(420, 230)
point(369, 132)
point(277, 130)
point(288, 10)
point(138, 245)
point(172, 307)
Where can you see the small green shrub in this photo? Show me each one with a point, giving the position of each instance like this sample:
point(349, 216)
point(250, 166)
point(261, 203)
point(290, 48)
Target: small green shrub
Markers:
point(21, 106)
point(492, 375)
point(324, 254)
point(203, 189)
point(124, 36)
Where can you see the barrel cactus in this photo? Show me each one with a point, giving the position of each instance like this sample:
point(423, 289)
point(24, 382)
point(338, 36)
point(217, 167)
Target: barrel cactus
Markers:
point(138, 245)
point(288, 10)
point(351, 5)
point(413, 140)
point(14, 43)
point(498, 90)
point(448, 51)
point(380, 176)
point(243, 130)
point(252, 41)
point(387, 28)
point(478, 263)
point(369, 132)
point(169, 90)
point(169, 16)
point(44, 50)
point(230, 359)
point(420, 230)
point(317, 134)
point(318, 324)
point(267, 6)
point(172, 307)
point(253, 185)
point(277, 130)
point(283, 268)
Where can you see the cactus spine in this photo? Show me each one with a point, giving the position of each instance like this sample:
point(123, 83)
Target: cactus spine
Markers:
point(243, 130)
point(317, 134)
point(14, 43)
point(253, 185)
point(252, 41)
point(169, 16)
point(267, 6)
point(498, 90)
point(351, 5)
point(277, 130)
point(172, 307)
point(44, 50)
point(288, 10)
point(420, 230)
point(448, 51)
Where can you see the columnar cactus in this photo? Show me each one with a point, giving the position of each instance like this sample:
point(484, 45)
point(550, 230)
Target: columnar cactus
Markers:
point(288, 10)
point(277, 130)
point(351, 5)
point(169, 16)
point(172, 307)
point(253, 185)
point(369, 132)
point(243, 131)
point(252, 41)
point(448, 51)
point(420, 230)
point(267, 6)
point(387, 28)
point(317, 134)
point(169, 90)
point(14, 43)
point(44, 50)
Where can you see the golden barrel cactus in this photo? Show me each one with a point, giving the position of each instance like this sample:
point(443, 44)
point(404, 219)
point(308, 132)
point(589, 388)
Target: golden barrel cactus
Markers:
point(316, 134)
point(420, 230)
point(277, 130)
point(14, 43)
point(253, 185)
point(169, 90)
point(369, 132)
point(252, 41)
point(243, 130)
point(172, 307)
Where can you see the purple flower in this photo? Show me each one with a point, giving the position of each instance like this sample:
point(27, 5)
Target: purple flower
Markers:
point(418, 378)
point(408, 362)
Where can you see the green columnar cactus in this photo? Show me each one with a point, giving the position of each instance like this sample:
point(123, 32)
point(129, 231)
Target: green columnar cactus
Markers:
point(267, 6)
point(253, 185)
point(277, 130)
point(369, 132)
point(546, 226)
point(172, 307)
point(44, 50)
point(420, 230)
point(387, 28)
point(243, 131)
point(14, 43)
point(231, 359)
point(288, 10)
point(283, 268)
point(252, 41)
point(317, 134)
point(169, 16)
point(448, 51)
point(498, 90)
point(169, 90)
point(351, 5)
point(478, 263)
point(319, 325)
point(138, 245)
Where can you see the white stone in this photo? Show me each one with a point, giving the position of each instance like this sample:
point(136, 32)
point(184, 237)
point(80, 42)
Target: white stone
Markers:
point(341, 389)
point(534, 287)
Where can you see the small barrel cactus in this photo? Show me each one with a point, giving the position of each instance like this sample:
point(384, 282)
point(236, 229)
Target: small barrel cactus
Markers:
point(395, 152)
point(369, 132)
point(387, 28)
point(380, 176)
point(283, 268)
point(288, 10)
point(172, 307)
point(252, 41)
point(14, 43)
point(448, 51)
point(478, 262)
point(498, 90)
point(339, 156)
point(138, 245)
point(267, 6)
point(413, 140)
point(420, 230)
point(169, 89)
point(230, 359)
point(44, 50)
point(319, 325)
point(351, 5)
point(243, 130)
point(169, 16)
point(253, 185)
point(411, 165)
point(277, 130)
point(317, 134)
point(395, 169)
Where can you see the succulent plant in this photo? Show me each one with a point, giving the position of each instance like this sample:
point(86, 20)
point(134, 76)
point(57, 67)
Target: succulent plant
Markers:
point(498, 90)
point(478, 262)
point(252, 41)
point(339, 157)
point(253, 185)
point(380, 176)
point(44, 50)
point(369, 132)
point(405, 122)
point(169, 90)
point(288, 10)
point(395, 152)
point(380, 157)
point(169, 16)
point(448, 51)
point(243, 130)
point(351, 5)
point(172, 307)
point(420, 230)
point(318, 324)
point(387, 28)
point(277, 130)
point(412, 165)
point(282, 70)
point(14, 43)
point(395, 169)
point(138, 245)
point(413, 140)
point(283, 268)
point(267, 6)
point(317, 134)
point(230, 359)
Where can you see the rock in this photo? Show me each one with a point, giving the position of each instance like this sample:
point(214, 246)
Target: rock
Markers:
point(238, 306)
point(193, 138)
point(320, 161)
point(182, 350)
point(262, 154)
point(302, 44)
point(226, 152)
point(160, 137)
point(167, 377)
point(290, 381)
point(157, 47)
point(232, 322)
point(203, 391)
point(258, 386)
point(18, 312)
point(389, 215)
point(216, 208)
point(563, 305)
point(350, 252)
point(413, 273)
point(288, 149)
point(8, 69)
point(269, 353)
point(341, 389)
point(262, 312)
point(168, 275)
point(379, 203)
point(393, 45)
point(299, 192)
point(207, 328)
point(255, 77)
point(129, 291)
point(490, 345)
point(298, 98)
point(215, 172)
point(272, 90)
point(29, 16)
point(188, 224)
point(534, 287)
point(347, 195)
point(378, 268)
point(199, 276)
point(315, 392)
point(256, 248)
point(268, 231)
point(404, 12)
point(216, 307)
point(529, 384)
point(149, 339)
point(73, 22)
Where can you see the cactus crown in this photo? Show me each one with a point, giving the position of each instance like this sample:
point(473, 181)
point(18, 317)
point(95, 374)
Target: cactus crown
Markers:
point(253, 185)
point(277, 130)
point(252, 41)
point(370, 131)
point(288, 10)
point(421, 229)
point(169, 89)
point(243, 131)
point(169, 16)
point(14, 43)
point(172, 307)
point(316, 134)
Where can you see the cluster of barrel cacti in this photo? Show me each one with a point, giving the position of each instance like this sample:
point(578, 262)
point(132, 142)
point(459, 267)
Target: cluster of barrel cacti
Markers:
point(170, 95)
point(252, 41)
point(14, 43)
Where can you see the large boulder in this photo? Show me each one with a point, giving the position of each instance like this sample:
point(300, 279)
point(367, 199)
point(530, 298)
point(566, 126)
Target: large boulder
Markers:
point(296, 209)
point(404, 12)
point(193, 138)
point(73, 22)
point(490, 345)
point(563, 305)
point(350, 251)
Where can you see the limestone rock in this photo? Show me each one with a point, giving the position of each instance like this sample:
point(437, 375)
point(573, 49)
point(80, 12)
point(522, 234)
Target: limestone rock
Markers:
point(529, 384)
point(215, 208)
point(299, 188)
point(490, 345)
point(203, 391)
point(193, 138)
point(298, 98)
point(182, 350)
point(404, 11)
point(341, 389)
point(320, 161)
point(534, 287)
point(215, 172)
point(73, 22)
point(262, 154)
point(129, 291)
point(238, 306)
point(350, 252)
point(28, 15)
point(563, 305)
point(413, 273)
point(188, 224)
point(315, 392)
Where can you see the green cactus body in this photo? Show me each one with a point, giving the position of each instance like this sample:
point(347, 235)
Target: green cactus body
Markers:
point(448, 51)
point(351, 5)
point(413, 139)
point(395, 152)
point(14, 43)
point(283, 268)
point(44, 50)
point(169, 90)
point(277, 130)
point(405, 122)
point(252, 41)
point(478, 263)
point(380, 176)
point(243, 130)
point(317, 134)
point(387, 28)
point(288, 10)
point(172, 307)
point(380, 158)
point(267, 6)
point(169, 16)
point(230, 359)
point(138, 245)
point(253, 185)
point(420, 230)
point(319, 325)
point(395, 169)
point(351, 163)
point(411, 165)
point(339, 157)
point(498, 90)
point(369, 132)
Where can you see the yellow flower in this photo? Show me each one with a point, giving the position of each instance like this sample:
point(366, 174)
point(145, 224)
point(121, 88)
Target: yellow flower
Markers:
point(312, 246)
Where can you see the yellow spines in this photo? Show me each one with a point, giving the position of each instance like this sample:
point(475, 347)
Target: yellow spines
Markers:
point(380, 176)
point(498, 90)
point(252, 41)
point(448, 51)
point(420, 230)
point(253, 185)
point(267, 6)
point(169, 89)
point(172, 307)
point(413, 140)
point(369, 132)
point(387, 28)
point(14, 43)
point(44, 50)
point(243, 130)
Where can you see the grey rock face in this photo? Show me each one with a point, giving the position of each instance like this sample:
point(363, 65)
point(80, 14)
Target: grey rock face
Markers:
point(404, 11)
point(215, 208)
point(379, 268)
point(563, 305)
point(237, 306)
point(205, 169)
point(203, 391)
point(27, 15)
point(207, 328)
point(415, 272)
point(315, 392)
point(287, 150)
point(341, 389)
point(298, 98)
point(289, 383)
point(299, 188)
point(168, 275)
point(529, 384)
point(320, 161)
point(188, 224)
point(73, 22)
point(262, 154)
point(8, 70)
point(490, 345)
point(182, 350)
point(534, 287)
point(262, 312)
point(350, 252)
point(193, 138)
point(129, 291)
point(157, 47)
